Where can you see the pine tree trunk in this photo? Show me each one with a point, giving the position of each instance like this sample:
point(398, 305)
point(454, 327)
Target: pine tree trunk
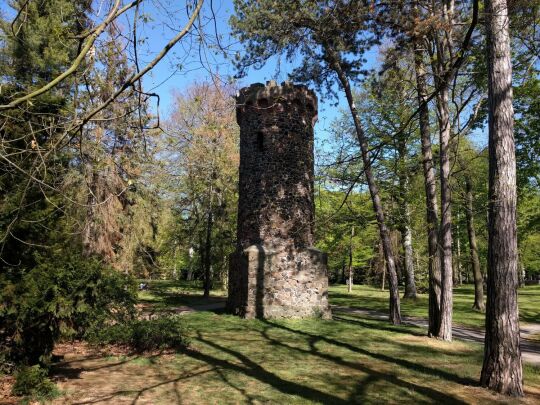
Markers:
point(445, 230)
point(189, 275)
point(477, 273)
point(394, 304)
point(383, 275)
point(457, 259)
point(431, 196)
point(351, 278)
point(521, 274)
point(502, 368)
point(405, 222)
point(410, 285)
point(444, 46)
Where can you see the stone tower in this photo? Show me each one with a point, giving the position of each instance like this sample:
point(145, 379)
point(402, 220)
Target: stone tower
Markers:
point(275, 271)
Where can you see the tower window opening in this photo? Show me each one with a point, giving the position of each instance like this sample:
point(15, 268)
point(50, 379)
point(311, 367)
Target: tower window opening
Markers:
point(260, 141)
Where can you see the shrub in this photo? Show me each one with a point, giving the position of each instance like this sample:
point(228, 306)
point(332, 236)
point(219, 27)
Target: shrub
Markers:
point(34, 383)
point(166, 332)
point(62, 295)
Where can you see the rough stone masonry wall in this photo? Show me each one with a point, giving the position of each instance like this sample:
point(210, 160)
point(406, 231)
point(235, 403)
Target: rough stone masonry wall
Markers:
point(275, 271)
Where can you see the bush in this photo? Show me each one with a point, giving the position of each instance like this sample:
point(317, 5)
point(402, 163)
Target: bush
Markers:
point(34, 383)
point(143, 335)
point(62, 295)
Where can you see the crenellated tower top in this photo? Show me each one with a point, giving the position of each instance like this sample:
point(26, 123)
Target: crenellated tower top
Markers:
point(272, 98)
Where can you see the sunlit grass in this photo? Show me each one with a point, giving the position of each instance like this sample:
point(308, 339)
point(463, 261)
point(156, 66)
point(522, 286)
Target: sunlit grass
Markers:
point(372, 298)
point(350, 359)
point(167, 294)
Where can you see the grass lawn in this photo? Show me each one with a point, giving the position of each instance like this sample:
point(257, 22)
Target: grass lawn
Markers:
point(166, 294)
point(232, 360)
point(372, 298)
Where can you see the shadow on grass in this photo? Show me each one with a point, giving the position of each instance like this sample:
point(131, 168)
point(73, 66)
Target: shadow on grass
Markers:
point(529, 316)
point(163, 295)
point(412, 330)
point(367, 302)
point(64, 370)
point(138, 393)
point(244, 365)
point(256, 371)
point(379, 356)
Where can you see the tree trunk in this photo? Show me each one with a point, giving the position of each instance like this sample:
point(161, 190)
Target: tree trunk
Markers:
point(394, 305)
point(431, 196)
point(351, 278)
point(457, 277)
point(444, 46)
point(502, 369)
point(207, 256)
point(521, 274)
point(405, 221)
point(445, 229)
point(475, 261)
point(383, 267)
point(458, 259)
point(410, 285)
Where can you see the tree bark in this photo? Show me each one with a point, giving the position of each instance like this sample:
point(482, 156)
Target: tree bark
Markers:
point(351, 278)
point(521, 274)
point(444, 49)
point(502, 368)
point(208, 243)
point(432, 209)
point(189, 275)
point(405, 222)
point(406, 237)
point(460, 272)
point(207, 256)
point(475, 261)
point(458, 278)
point(445, 229)
point(394, 304)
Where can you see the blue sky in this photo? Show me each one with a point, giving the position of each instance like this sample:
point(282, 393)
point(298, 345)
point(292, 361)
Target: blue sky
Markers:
point(167, 77)
point(161, 19)
point(158, 23)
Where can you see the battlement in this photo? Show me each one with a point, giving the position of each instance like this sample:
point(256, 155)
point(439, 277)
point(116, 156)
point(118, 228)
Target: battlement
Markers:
point(273, 98)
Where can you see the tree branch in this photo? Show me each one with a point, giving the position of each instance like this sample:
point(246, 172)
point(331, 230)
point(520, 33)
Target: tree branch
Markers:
point(114, 13)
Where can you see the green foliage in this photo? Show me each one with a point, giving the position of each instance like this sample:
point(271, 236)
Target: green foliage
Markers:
point(307, 30)
point(529, 230)
point(33, 383)
point(334, 227)
point(62, 295)
point(527, 132)
point(202, 157)
point(165, 332)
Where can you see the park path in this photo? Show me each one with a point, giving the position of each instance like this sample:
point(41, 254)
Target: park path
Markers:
point(530, 349)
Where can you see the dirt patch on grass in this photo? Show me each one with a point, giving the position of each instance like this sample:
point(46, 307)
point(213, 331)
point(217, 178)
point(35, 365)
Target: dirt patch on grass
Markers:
point(455, 346)
point(6, 385)
point(113, 375)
